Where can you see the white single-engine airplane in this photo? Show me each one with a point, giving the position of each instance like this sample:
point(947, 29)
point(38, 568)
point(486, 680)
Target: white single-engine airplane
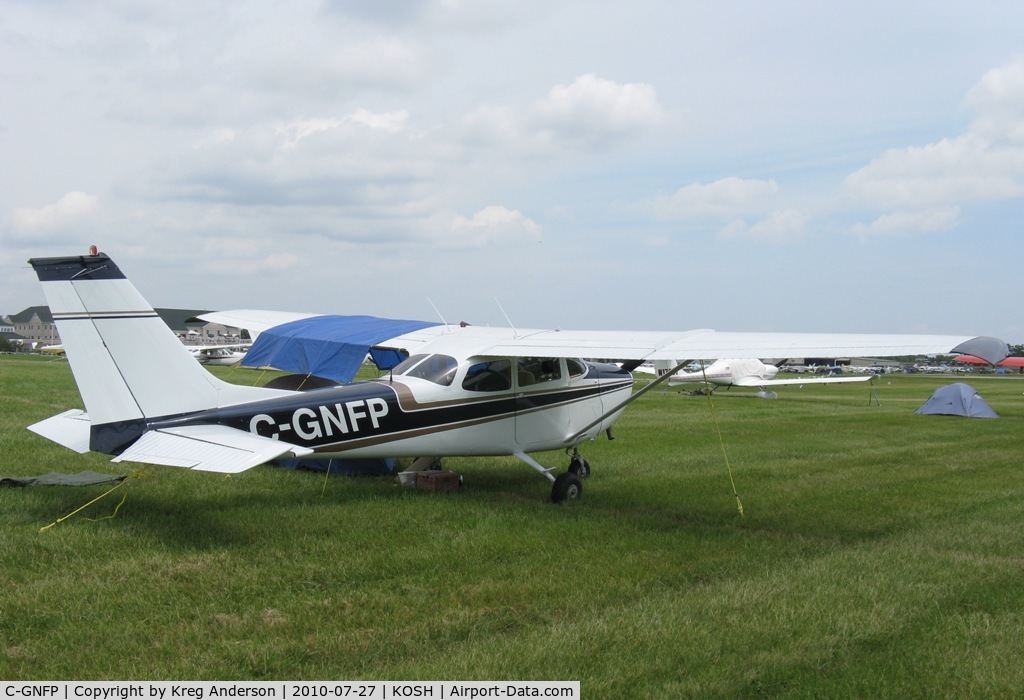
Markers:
point(463, 391)
point(221, 355)
point(748, 372)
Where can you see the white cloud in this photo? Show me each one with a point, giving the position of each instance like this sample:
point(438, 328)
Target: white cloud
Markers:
point(491, 124)
point(964, 169)
point(594, 109)
point(307, 68)
point(71, 208)
point(214, 139)
point(778, 227)
point(733, 201)
point(246, 265)
point(389, 122)
point(385, 61)
point(592, 112)
point(294, 131)
point(723, 199)
point(395, 12)
point(984, 164)
point(298, 129)
point(361, 160)
point(903, 222)
point(493, 224)
point(998, 100)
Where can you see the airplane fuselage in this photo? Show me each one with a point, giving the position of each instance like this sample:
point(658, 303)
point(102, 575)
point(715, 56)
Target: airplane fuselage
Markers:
point(729, 372)
point(408, 416)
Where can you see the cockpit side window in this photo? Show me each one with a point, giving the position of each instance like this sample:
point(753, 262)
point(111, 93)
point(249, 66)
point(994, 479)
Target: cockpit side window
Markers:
point(495, 375)
point(439, 369)
point(408, 363)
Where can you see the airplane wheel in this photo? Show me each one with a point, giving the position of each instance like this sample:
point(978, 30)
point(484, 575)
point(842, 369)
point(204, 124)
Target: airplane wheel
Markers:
point(567, 487)
point(580, 467)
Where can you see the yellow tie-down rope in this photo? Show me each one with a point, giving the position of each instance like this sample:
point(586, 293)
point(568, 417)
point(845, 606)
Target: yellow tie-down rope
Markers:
point(103, 495)
point(721, 440)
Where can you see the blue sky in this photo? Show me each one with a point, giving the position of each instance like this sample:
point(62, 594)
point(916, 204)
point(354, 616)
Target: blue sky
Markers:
point(792, 166)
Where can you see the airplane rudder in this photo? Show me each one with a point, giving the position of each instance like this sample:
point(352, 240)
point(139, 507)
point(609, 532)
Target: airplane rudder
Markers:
point(127, 362)
point(66, 283)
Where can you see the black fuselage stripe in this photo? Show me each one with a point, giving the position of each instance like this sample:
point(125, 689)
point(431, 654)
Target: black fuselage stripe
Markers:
point(440, 427)
point(279, 416)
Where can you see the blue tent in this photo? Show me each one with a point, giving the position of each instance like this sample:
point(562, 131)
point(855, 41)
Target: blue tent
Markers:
point(957, 400)
point(332, 347)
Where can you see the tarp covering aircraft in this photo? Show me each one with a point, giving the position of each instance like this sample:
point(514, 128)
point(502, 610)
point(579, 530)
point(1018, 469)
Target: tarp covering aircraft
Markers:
point(332, 347)
point(464, 390)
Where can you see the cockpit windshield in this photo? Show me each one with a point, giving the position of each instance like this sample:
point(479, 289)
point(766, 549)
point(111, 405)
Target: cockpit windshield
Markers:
point(439, 369)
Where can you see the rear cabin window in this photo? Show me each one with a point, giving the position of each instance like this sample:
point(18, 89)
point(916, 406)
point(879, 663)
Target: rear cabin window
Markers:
point(576, 368)
point(439, 369)
point(536, 370)
point(495, 375)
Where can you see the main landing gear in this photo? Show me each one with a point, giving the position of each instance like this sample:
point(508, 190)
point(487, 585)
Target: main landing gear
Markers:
point(567, 486)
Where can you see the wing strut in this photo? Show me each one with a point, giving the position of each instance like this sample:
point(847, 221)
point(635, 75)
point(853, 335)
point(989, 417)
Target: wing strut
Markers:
point(545, 471)
point(636, 395)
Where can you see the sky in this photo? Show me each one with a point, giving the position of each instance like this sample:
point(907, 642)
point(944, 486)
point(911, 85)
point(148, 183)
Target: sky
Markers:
point(576, 164)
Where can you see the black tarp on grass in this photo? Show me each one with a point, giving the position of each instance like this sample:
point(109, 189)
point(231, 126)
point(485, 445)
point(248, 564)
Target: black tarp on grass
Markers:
point(86, 478)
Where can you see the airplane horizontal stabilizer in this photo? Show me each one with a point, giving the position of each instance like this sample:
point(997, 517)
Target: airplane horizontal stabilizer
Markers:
point(70, 429)
point(212, 448)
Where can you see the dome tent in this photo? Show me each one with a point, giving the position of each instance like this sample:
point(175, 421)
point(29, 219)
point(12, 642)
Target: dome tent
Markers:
point(957, 400)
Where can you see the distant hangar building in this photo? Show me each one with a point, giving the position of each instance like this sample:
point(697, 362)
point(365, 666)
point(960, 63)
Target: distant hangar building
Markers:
point(35, 326)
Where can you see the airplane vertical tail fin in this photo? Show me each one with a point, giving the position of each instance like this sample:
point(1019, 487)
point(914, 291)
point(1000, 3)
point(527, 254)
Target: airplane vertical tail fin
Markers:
point(127, 363)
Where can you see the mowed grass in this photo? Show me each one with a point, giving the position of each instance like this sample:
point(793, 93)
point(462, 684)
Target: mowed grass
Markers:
point(880, 554)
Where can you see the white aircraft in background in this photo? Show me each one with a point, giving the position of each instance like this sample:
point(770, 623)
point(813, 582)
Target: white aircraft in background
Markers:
point(748, 372)
point(221, 355)
point(462, 391)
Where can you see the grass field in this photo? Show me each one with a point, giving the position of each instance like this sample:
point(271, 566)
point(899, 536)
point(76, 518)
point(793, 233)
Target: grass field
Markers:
point(881, 554)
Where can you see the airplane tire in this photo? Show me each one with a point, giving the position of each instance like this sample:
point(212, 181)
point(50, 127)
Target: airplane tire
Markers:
point(567, 487)
point(580, 467)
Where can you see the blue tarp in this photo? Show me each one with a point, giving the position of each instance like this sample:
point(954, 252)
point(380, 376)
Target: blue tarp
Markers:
point(332, 347)
point(382, 465)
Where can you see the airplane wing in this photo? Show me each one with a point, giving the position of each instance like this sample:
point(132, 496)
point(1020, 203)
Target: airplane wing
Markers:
point(690, 345)
point(700, 344)
point(214, 448)
point(755, 382)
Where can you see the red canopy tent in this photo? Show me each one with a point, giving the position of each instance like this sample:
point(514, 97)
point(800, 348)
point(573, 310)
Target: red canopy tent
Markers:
point(1007, 362)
